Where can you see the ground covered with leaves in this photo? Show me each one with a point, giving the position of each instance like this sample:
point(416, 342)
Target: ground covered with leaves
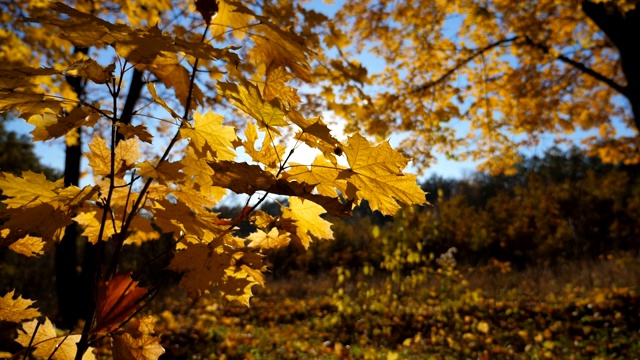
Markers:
point(582, 311)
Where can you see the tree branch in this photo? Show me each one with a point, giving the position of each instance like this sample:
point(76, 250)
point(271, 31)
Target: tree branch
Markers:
point(582, 67)
point(460, 64)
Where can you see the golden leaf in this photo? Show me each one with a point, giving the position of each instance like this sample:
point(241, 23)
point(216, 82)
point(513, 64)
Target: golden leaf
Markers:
point(90, 69)
point(164, 172)
point(306, 221)
point(322, 173)
point(126, 347)
point(208, 134)
point(247, 98)
point(46, 341)
point(31, 188)
point(375, 174)
point(174, 75)
point(16, 310)
point(28, 246)
point(271, 240)
point(99, 156)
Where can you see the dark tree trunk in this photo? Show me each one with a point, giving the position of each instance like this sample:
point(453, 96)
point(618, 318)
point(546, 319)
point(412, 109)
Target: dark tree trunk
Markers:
point(623, 30)
point(66, 260)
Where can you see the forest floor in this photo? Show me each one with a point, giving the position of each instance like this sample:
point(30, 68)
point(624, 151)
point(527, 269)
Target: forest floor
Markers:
point(581, 310)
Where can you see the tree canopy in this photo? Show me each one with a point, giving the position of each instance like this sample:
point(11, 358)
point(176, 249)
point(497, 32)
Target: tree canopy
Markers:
point(483, 79)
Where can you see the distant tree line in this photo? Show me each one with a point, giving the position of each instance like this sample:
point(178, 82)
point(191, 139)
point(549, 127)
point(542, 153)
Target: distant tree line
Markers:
point(561, 205)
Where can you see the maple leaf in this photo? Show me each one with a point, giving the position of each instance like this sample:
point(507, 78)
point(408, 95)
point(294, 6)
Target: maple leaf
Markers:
point(99, 156)
point(217, 265)
point(141, 231)
point(269, 155)
point(174, 75)
point(375, 174)
point(208, 134)
point(274, 239)
point(179, 218)
point(28, 104)
point(275, 86)
point(47, 342)
point(314, 132)
point(322, 173)
point(245, 178)
point(241, 177)
point(281, 47)
point(228, 18)
point(28, 246)
point(154, 94)
point(91, 221)
point(90, 69)
point(16, 310)
point(306, 221)
point(126, 347)
point(117, 299)
point(79, 116)
point(128, 131)
point(164, 172)
point(31, 188)
point(247, 98)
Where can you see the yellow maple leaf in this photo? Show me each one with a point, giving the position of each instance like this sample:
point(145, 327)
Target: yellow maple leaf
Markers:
point(31, 188)
point(229, 18)
point(79, 116)
point(281, 48)
point(272, 240)
point(208, 134)
point(322, 173)
point(181, 219)
point(275, 86)
point(90, 69)
point(28, 246)
point(141, 231)
point(268, 154)
point(164, 172)
point(144, 347)
point(376, 174)
point(46, 341)
point(91, 222)
point(173, 74)
point(41, 121)
point(28, 104)
point(16, 310)
point(126, 154)
point(306, 221)
point(246, 96)
point(154, 94)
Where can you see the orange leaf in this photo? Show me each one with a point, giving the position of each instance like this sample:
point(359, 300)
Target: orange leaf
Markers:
point(117, 299)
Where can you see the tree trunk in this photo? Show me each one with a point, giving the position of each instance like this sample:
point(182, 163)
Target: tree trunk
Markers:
point(66, 260)
point(623, 30)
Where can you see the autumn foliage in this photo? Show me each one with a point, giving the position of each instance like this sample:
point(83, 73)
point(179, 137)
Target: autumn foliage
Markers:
point(243, 59)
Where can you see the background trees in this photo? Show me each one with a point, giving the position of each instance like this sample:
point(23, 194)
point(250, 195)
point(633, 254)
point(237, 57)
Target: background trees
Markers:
point(513, 72)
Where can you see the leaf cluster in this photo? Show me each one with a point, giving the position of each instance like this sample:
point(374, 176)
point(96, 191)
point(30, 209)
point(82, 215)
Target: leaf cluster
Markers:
point(139, 192)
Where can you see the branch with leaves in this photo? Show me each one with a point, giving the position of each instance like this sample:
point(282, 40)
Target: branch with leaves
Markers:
point(137, 191)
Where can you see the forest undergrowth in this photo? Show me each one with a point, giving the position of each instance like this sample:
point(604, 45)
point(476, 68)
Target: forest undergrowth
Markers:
point(586, 309)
